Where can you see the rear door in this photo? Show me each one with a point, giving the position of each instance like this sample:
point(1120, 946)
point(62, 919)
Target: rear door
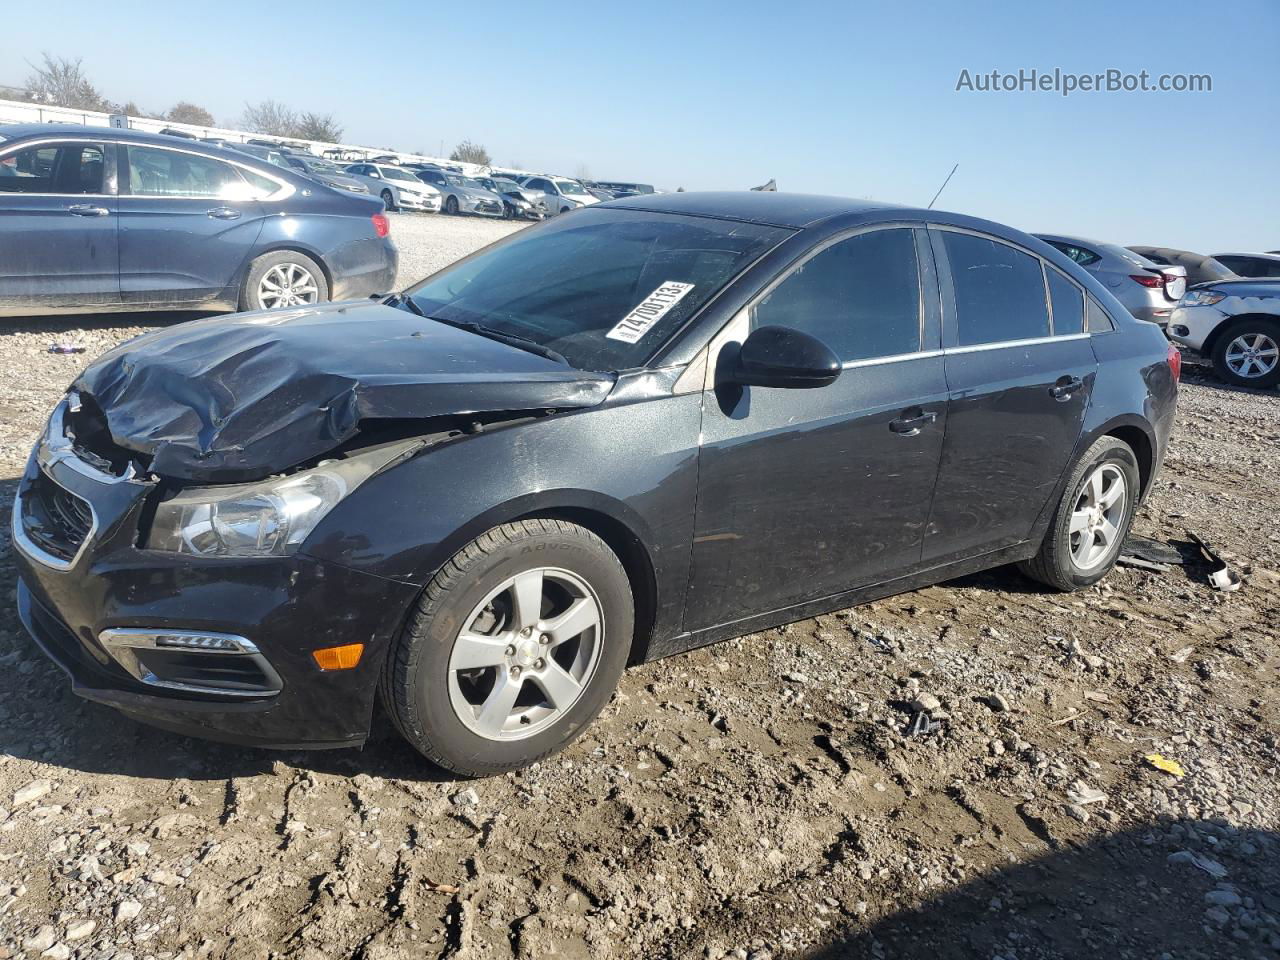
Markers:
point(804, 494)
point(188, 223)
point(1019, 370)
point(58, 225)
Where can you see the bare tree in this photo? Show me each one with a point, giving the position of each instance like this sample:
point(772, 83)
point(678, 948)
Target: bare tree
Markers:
point(314, 126)
point(62, 82)
point(468, 152)
point(184, 112)
point(270, 118)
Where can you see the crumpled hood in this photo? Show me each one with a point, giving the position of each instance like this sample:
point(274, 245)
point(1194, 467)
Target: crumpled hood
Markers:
point(239, 397)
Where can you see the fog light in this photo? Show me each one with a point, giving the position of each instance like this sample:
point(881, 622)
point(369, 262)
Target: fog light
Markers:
point(197, 641)
point(338, 658)
point(1179, 330)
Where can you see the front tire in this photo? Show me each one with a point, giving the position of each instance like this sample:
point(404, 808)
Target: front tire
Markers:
point(514, 647)
point(1247, 353)
point(389, 201)
point(451, 206)
point(1092, 519)
point(283, 279)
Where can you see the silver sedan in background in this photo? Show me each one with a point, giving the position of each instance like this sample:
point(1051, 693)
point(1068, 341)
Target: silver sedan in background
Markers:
point(1148, 290)
point(463, 194)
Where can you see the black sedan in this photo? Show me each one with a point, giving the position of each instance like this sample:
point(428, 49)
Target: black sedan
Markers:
point(658, 423)
point(94, 219)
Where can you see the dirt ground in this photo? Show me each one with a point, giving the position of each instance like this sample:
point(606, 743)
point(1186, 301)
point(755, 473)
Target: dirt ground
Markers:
point(761, 798)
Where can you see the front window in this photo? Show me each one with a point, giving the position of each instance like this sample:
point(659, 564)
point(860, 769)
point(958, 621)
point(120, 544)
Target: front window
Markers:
point(63, 168)
point(604, 288)
point(571, 189)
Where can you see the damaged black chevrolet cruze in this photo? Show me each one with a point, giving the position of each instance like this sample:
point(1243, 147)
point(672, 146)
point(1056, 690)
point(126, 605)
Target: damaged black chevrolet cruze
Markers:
point(647, 426)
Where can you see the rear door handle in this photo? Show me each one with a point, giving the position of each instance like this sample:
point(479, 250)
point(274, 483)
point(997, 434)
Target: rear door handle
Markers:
point(1065, 387)
point(910, 426)
point(87, 210)
point(224, 213)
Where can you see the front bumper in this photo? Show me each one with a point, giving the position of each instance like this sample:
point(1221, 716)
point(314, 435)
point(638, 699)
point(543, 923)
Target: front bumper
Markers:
point(482, 208)
point(1193, 325)
point(419, 202)
point(288, 607)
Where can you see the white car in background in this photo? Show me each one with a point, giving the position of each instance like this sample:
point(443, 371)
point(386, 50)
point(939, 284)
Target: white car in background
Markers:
point(398, 188)
point(562, 194)
point(1235, 324)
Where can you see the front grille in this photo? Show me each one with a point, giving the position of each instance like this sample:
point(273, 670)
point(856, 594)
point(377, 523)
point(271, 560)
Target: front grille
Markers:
point(54, 519)
point(490, 206)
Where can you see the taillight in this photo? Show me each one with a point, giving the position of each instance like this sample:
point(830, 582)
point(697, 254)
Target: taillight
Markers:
point(381, 225)
point(1147, 280)
point(1175, 362)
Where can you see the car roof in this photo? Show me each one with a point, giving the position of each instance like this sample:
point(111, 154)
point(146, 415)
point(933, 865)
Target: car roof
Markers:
point(1261, 256)
point(793, 210)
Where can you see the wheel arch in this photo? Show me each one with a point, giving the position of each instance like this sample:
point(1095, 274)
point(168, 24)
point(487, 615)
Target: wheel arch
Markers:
point(622, 530)
point(1142, 442)
point(292, 246)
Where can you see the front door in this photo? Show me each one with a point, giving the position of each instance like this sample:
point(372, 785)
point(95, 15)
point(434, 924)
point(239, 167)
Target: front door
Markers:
point(188, 223)
point(1020, 369)
point(804, 494)
point(58, 223)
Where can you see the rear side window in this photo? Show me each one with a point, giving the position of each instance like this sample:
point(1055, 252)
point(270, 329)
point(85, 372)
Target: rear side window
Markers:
point(1099, 320)
point(861, 297)
point(1079, 254)
point(1068, 304)
point(155, 172)
point(999, 291)
point(63, 168)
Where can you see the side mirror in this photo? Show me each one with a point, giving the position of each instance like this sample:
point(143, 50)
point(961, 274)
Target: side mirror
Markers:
point(782, 357)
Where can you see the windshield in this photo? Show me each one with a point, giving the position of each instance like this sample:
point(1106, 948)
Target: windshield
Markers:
point(395, 173)
point(605, 288)
point(322, 166)
point(571, 188)
point(505, 186)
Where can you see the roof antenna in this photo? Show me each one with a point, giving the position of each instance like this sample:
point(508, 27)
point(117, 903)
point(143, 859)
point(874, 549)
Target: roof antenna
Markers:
point(943, 187)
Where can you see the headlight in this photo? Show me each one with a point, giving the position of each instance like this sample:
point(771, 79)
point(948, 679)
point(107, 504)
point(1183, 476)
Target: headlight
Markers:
point(270, 518)
point(1201, 298)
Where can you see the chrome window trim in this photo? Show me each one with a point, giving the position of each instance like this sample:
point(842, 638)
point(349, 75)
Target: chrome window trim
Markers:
point(286, 189)
point(895, 358)
point(1003, 344)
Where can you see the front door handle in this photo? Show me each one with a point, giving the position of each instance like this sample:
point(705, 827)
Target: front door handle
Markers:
point(87, 210)
point(1065, 387)
point(224, 213)
point(910, 426)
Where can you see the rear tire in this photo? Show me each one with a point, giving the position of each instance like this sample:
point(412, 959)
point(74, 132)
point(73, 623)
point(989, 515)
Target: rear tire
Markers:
point(270, 275)
point(1247, 353)
point(516, 644)
point(1091, 521)
point(389, 200)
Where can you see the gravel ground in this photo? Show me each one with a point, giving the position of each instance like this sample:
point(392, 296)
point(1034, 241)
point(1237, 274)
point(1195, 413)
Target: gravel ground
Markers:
point(757, 799)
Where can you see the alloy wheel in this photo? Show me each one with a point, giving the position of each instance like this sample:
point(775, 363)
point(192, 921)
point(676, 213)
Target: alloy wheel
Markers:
point(1252, 355)
point(287, 285)
point(1098, 518)
point(525, 654)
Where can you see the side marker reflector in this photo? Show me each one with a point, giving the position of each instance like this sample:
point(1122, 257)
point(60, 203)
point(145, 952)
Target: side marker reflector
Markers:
point(338, 658)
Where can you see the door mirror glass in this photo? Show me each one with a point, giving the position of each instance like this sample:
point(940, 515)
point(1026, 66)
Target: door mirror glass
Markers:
point(783, 357)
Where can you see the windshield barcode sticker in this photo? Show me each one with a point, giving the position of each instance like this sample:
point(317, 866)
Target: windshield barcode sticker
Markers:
point(651, 309)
